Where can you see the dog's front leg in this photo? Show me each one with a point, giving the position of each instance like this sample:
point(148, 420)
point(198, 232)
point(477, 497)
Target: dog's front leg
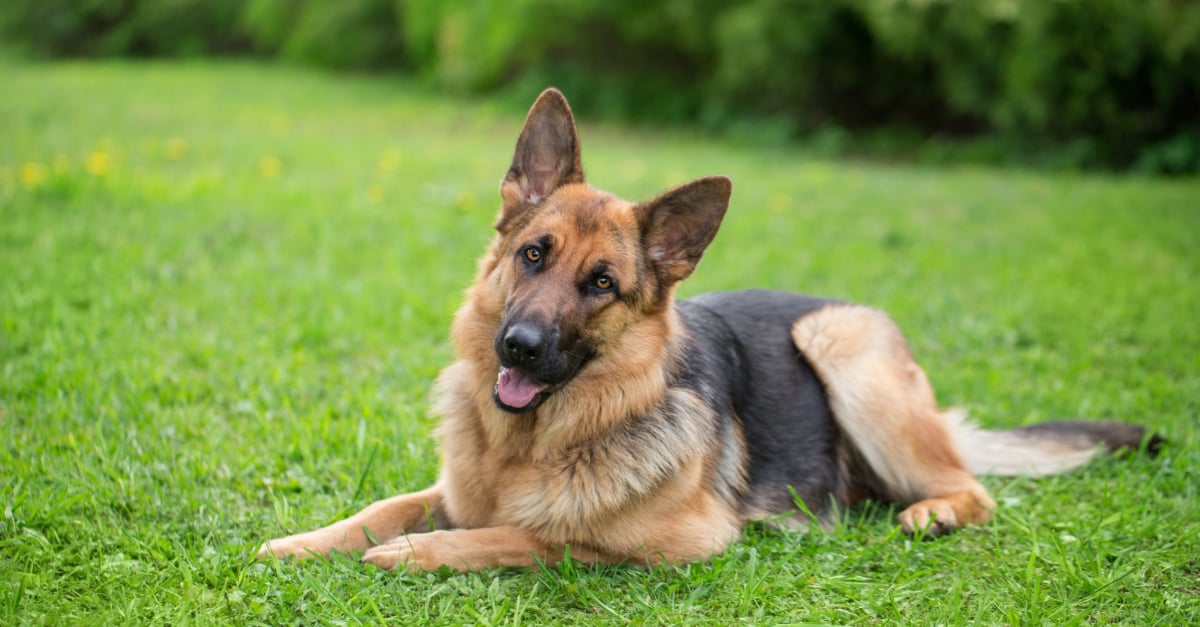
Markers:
point(381, 520)
point(473, 549)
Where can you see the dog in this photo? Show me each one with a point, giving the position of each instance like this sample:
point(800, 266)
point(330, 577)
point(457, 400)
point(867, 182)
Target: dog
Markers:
point(591, 414)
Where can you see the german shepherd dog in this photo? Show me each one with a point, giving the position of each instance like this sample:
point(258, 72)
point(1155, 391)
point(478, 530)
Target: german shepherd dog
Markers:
point(589, 413)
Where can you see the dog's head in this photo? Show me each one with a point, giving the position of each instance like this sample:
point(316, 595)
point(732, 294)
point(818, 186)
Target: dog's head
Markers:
point(576, 267)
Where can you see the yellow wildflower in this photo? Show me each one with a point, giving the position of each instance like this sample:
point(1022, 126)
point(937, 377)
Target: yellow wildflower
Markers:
point(778, 202)
point(270, 166)
point(388, 161)
point(374, 194)
point(465, 200)
point(176, 148)
point(97, 163)
point(33, 174)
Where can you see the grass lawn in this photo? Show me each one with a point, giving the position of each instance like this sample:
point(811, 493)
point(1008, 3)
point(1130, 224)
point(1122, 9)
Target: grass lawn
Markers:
point(225, 290)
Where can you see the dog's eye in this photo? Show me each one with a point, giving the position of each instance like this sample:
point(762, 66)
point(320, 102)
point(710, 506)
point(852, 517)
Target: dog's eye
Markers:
point(532, 254)
point(603, 282)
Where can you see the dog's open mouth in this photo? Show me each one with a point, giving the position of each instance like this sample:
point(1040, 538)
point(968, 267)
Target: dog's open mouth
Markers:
point(516, 390)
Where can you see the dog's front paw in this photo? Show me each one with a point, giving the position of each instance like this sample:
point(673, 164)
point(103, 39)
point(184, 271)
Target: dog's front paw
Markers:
point(400, 553)
point(299, 546)
point(415, 553)
point(932, 517)
point(387, 556)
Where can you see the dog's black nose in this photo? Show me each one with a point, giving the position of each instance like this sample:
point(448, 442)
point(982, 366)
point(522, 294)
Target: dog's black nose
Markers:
point(525, 344)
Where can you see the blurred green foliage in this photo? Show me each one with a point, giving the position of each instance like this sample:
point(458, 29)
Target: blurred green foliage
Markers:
point(1101, 83)
point(121, 27)
point(340, 34)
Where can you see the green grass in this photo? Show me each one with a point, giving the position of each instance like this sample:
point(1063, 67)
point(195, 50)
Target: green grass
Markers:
point(225, 290)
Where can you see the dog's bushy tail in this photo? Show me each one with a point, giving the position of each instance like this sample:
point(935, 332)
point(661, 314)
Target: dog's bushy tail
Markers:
point(1043, 449)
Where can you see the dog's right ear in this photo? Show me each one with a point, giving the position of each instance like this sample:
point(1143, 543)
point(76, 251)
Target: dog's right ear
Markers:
point(547, 156)
point(679, 225)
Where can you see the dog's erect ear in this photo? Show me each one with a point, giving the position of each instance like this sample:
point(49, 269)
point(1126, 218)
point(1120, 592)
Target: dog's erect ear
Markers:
point(678, 225)
point(546, 157)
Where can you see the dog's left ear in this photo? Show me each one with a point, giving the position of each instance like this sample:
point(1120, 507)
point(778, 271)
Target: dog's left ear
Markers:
point(547, 157)
point(678, 225)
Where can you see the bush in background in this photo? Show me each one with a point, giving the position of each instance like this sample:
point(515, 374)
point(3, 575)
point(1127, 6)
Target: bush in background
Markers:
point(1108, 83)
point(1121, 78)
point(338, 34)
point(109, 28)
point(360, 34)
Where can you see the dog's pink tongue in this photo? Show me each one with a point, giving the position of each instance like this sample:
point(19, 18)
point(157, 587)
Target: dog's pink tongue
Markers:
point(515, 388)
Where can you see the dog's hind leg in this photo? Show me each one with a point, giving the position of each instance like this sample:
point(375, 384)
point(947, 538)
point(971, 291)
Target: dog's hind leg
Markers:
point(884, 406)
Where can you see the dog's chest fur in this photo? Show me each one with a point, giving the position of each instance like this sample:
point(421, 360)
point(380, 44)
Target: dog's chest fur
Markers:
point(584, 490)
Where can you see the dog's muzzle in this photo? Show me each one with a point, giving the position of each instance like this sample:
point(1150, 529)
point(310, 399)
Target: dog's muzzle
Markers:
point(533, 364)
point(522, 348)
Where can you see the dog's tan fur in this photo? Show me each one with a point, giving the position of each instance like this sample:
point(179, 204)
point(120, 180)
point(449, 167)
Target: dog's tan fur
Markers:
point(623, 464)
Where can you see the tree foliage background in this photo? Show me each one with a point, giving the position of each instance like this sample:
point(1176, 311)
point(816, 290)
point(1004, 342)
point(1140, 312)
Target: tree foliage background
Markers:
point(1097, 83)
